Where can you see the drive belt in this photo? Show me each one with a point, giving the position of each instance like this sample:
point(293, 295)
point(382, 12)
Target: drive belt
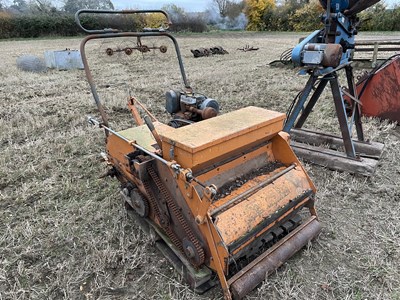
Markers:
point(197, 258)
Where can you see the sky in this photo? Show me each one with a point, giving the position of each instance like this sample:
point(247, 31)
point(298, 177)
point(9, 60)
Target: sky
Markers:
point(187, 5)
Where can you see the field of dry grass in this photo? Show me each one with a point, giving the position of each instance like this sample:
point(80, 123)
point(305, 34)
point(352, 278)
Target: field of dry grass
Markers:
point(65, 233)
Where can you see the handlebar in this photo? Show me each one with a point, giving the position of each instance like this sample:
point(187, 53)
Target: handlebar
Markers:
point(123, 12)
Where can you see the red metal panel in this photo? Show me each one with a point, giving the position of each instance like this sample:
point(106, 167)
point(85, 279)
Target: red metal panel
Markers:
point(381, 96)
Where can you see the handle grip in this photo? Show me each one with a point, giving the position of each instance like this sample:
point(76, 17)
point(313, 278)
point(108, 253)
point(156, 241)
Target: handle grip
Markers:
point(115, 12)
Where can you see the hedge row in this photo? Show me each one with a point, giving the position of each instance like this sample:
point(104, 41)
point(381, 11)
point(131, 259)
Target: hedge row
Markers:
point(28, 26)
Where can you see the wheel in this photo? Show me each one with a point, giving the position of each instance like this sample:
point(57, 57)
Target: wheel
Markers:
point(128, 51)
point(163, 49)
point(191, 252)
point(109, 51)
point(139, 203)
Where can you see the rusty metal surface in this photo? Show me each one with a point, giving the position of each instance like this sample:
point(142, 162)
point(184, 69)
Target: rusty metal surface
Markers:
point(140, 47)
point(163, 189)
point(381, 95)
point(332, 55)
point(254, 273)
point(199, 143)
point(189, 244)
point(116, 12)
point(241, 197)
point(287, 187)
point(297, 114)
point(243, 217)
point(138, 35)
point(342, 118)
point(199, 52)
point(248, 48)
point(206, 113)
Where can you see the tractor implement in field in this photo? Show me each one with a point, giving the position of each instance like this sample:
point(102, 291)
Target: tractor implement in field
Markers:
point(222, 194)
point(208, 51)
point(322, 55)
point(139, 47)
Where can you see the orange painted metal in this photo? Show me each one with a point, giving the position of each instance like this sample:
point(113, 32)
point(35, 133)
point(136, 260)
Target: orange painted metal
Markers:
point(381, 95)
point(188, 190)
point(244, 216)
point(214, 139)
point(217, 151)
point(135, 113)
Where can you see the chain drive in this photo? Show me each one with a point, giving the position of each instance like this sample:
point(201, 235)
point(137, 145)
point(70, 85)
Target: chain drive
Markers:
point(174, 209)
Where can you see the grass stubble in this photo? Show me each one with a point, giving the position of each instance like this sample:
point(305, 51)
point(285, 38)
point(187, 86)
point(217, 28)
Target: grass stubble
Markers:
point(65, 233)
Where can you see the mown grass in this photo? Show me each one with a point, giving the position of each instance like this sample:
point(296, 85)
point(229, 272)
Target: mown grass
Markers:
point(66, 234)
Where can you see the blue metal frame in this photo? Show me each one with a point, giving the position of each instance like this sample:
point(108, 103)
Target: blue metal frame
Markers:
point(340, 29)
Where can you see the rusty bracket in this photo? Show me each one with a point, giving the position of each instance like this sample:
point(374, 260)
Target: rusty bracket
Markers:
point(209, 193)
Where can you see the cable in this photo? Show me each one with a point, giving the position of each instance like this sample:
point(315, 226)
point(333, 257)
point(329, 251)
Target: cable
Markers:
point(289, 110)
point(373, 72)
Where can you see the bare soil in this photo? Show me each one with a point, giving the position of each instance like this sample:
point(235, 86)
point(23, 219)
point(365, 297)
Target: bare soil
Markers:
point(65, 233)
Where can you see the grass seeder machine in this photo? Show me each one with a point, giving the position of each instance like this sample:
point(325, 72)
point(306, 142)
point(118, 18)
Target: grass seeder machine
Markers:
point(224, 194)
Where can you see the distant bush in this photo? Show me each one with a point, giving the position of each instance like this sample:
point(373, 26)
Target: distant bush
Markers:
point(196, 24)
point(6, 24)
point(27, 26)
point(308, 17)
point(293, 15)
point(60, 24)
point(183, 21)
point(31, 26)
point(304, 15)
point(278, 18)
point(120, 22)
point(378, 18)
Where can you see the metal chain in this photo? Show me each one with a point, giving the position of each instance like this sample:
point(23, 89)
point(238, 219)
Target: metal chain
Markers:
point(164, 225)
point(177, 213)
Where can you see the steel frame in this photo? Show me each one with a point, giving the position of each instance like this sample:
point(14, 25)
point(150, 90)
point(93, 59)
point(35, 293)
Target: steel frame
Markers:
point(303, 108)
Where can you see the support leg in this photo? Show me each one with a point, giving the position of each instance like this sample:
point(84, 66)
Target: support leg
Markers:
point(342, 117)
point(310, 105)
point(357, 111)
point(291, 119)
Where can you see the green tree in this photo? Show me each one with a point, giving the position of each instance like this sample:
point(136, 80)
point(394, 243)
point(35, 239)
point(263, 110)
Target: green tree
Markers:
point(379, 17)
point(255, 11)
point(234, 9)
point(41, 7)
point(222, 6)
point(182, 21)
point(308, 17)
point(72, 6)
point(278, 19)
point(176, 13)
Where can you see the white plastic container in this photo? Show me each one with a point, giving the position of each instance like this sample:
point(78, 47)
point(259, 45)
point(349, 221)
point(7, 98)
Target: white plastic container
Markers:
point(63, 59)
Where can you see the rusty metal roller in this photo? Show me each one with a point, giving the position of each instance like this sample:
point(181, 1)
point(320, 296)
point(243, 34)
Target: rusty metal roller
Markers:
point(249, 277)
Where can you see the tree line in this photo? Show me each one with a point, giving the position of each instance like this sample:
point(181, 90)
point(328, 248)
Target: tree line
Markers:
point(305, 15)
point(34, 18)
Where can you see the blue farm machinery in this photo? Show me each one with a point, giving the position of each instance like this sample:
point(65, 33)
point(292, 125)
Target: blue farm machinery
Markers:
point(322, 56)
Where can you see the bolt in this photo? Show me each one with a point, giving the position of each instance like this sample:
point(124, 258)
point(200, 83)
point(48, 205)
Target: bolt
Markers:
point(189, 252)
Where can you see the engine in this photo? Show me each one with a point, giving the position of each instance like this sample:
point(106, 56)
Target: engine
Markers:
point(189, 108)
